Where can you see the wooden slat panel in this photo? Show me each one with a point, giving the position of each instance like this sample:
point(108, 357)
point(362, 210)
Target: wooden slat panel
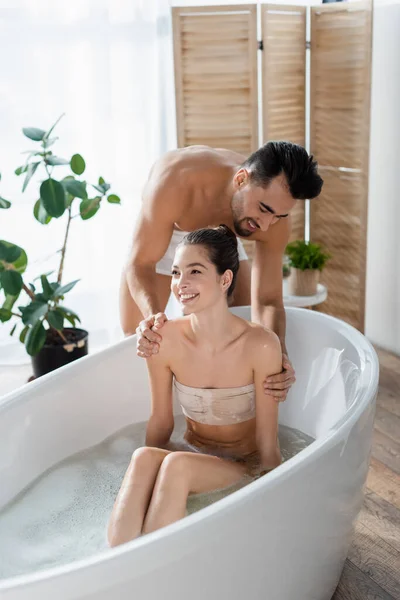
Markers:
point(283, 82)
point(339, 118)
point(215, 56)
point(338, 224)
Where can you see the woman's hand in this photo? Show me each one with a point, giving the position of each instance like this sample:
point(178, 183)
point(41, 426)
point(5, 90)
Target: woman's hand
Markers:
point(148, 339)
point(279, 385)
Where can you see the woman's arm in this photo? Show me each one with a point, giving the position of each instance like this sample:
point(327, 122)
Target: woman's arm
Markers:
point(267, 360)
point(161, 423)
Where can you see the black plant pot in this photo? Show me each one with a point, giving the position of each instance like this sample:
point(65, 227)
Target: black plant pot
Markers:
point(55, 353)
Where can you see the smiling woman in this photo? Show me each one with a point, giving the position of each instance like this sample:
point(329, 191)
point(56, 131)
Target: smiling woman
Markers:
point(216, 363)
point(216, 246)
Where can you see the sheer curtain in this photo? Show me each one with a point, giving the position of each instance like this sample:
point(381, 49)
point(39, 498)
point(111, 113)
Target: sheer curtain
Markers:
point(106, 64)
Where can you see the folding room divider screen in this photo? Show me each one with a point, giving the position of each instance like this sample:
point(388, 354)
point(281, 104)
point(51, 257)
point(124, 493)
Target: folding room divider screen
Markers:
point(218, 103)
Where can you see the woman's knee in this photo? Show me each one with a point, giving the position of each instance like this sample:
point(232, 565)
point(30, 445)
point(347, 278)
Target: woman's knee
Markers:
point(175, 465)
point(147, 457)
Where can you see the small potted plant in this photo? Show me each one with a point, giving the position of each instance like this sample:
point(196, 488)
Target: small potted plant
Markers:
point(306, 260)
point(46, 340)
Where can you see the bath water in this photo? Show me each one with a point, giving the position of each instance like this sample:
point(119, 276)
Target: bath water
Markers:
point(62, 516)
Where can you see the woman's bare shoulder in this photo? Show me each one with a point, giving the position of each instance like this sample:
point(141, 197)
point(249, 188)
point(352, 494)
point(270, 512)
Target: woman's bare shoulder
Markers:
point(261, 340)
point(173, 330)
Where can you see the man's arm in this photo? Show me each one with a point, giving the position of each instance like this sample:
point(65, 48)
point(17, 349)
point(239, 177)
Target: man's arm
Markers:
point(266, 280)
point(162, 206)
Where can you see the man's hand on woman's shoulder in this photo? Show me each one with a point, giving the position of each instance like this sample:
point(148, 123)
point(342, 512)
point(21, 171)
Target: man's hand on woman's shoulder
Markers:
point(279, 385)
point(148, 338)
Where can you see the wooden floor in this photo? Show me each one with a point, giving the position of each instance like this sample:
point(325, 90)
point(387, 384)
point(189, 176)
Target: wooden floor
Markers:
point(372, 569)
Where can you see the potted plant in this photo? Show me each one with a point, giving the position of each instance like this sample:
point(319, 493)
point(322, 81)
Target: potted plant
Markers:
point(43, 317)
point(306, 260)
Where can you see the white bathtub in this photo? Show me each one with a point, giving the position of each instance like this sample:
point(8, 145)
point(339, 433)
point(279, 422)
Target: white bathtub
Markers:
point(283, 537)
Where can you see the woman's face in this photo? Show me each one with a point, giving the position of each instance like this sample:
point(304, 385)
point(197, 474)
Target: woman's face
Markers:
point(195, 281)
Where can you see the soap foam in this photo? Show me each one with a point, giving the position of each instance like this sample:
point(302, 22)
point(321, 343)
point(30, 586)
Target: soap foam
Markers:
point(62, 516)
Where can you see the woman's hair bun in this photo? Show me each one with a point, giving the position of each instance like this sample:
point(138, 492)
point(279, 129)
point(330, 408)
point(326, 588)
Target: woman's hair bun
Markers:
point(227, 231)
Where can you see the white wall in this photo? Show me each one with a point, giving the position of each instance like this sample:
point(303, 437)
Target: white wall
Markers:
point(383, 247)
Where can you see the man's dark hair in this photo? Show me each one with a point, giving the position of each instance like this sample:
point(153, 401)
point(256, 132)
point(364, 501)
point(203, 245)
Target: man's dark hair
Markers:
point(293, 161)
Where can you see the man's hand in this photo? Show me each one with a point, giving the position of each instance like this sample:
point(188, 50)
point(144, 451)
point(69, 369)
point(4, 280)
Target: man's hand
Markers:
point(148, 339)
point(279, 385)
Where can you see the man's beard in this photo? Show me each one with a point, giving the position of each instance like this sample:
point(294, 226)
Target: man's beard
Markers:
point(237, 216)
point(237, 224)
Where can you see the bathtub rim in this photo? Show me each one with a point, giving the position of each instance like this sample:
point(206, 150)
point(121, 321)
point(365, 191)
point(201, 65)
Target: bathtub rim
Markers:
point(300, 460)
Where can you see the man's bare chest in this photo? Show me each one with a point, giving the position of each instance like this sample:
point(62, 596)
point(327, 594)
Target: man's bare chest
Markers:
point(203, 211)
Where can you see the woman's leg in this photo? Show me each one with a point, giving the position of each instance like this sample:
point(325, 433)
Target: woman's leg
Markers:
point(182, 473)
point(133, 499)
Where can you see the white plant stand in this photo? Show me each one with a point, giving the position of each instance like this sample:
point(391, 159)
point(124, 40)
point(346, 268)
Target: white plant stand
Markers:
point(304, 301)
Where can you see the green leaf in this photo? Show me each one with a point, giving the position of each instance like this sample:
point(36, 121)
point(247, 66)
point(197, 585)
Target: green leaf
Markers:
point(53, 126)
point(40, 213)
point(69, 314)
point(45, 274)
point(35, 339)
point(13, 329)
point(39, 297)
point(9, 252)
point(34, 311)
point(3, 250)
point(114, 199)
point(53, 197)
point(77, 189)
point(65, 288)
point(77, 164)
point(23, 333)
point(12, 253)
point(68, 199)
point(21, 170)
point(9, 302)
point(306, 255)
point(29, 174)
point(70, 319)
point(5, 315)
point(33, 133)
point(56, 160)
point(56, 319)
point(98, 188)
point(33, 289)
point(88, 208)
point(102, 187)
point(4, 203)
point(11, 282)
point(47, 142)
point(21, 263)
point(46, 287)
point(31, 153)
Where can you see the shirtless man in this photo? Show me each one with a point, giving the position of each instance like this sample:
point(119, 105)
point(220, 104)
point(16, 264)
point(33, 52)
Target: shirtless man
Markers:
point(199, 186)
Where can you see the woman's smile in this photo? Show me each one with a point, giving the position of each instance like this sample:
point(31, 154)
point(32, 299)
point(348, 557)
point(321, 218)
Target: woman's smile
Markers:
point(186, 298)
